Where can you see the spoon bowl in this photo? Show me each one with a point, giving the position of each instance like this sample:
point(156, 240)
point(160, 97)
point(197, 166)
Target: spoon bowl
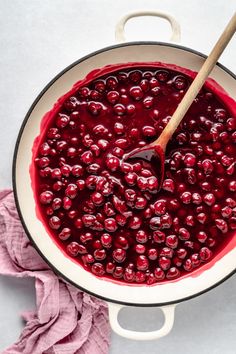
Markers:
point(152, 157)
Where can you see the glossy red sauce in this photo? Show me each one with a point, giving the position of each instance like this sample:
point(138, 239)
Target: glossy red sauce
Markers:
point(150, 236)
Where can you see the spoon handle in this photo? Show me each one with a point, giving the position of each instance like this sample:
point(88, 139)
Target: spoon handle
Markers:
point(197, 83)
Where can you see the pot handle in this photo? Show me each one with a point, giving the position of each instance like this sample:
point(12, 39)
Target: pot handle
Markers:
point(168, 311)
point(119, 30)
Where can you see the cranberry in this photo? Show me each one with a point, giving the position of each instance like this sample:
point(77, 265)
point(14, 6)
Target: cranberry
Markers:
point(87, 157)
point(130, 195)
point(159, 236)
point(164, 263)
point(230, 202)
point(88, 220)
point(230, 124)
point(80, 184)
point(46, 197)
point(141, 236)
point(119, 109)
point(184, 234)
point(65, 233)
point(222, 225)
point(44, 149)
point(196, 198)
point(118, 272)
point(112, 82)
point(186, 197)
point(71, 191)
point(90, 182)
point(155, 223)
point(94, 108)
point(159, 273)
point(209, 199)
point(97, 244)
point(84, 92)
point(73, 249)
point(181, 253)
point(189, 160)
point(148, 131)
point(135, 76)
point(53, 133)
point(87, 259)
point(173, 273)
point(140, 203)
point(201, 236)
point(78, 223)
point(142, 262)
point(195, 260)
point(118, 152)
point(188, 265)
point(43, 162)
point(140, 249)
point(99, 254)
point(71, 152)
point(232, 186)
point(205, 186)
point(108, 209)
point(189, 220)
point(98, 269)
point(121, 220)
point(112, 163)
point(131, 178)
point(130, 109)
point(97, 198)
point(220, 114)
point(55, 222)
point(110, 224)
point(135, 222)
point(152, 254)
point(226, 212)
point(148, 102)
point(129, 275)
point(205, 254)
point(102, 144)
point(160, 207)
point(166, 221)
point(67, 203)
point(136, 93)
point(168, 185)
point(56, 203)
point(172, 241)
point(152, 184)
point(110, 267)
point(142, 183)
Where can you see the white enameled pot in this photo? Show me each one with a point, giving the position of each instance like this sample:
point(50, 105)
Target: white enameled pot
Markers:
point(117, 295)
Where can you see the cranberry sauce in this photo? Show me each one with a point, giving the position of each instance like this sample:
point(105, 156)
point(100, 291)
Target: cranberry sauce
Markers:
point(108, 215)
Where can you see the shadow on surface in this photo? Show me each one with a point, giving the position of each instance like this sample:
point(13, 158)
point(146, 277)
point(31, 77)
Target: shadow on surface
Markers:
point(207, 321)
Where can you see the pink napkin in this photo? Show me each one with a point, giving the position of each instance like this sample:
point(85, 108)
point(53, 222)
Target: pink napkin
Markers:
point(66, 320)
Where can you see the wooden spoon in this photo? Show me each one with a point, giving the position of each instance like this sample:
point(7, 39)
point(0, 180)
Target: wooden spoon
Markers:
point(154, 153)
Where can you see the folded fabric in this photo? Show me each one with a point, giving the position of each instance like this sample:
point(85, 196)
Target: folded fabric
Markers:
point(66, 320)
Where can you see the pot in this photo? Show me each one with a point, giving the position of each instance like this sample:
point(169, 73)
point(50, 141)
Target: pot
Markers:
point(117, 295)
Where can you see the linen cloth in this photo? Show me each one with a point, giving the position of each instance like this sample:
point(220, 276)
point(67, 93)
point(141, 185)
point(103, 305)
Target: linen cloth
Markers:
point(66, 320)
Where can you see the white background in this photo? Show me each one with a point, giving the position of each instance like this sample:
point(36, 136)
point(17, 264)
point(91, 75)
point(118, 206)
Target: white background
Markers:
point(37, 40)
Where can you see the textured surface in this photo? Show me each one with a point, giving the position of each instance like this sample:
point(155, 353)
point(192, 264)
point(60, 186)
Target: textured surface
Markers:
point(65, 320)
point(38, 39)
